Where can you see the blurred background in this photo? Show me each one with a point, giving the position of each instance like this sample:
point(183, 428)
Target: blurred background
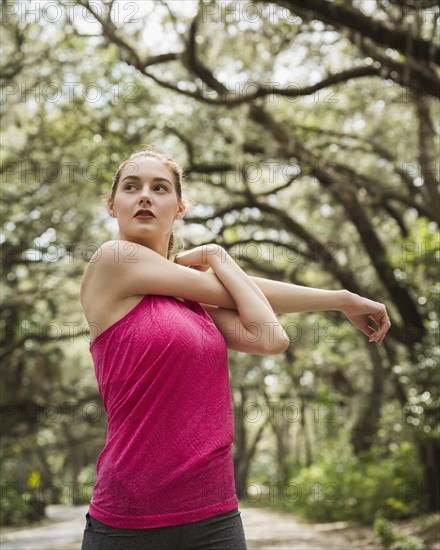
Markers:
point(308, 131)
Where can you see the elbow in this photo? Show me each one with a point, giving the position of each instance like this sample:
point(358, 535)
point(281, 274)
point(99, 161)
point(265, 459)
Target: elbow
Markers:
point(272, 342)
point(276, 346)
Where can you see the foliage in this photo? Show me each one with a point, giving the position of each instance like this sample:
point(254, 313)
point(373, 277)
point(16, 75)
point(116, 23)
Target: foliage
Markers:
point(390, 541)
point(342, 486)
point(331, 188)
point(20, 508)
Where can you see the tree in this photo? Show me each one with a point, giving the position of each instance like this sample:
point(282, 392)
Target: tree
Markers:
point(309, 145)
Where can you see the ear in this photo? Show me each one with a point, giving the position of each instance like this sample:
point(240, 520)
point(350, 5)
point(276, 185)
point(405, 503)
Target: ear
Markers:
point(182, 209)
point(110, 207)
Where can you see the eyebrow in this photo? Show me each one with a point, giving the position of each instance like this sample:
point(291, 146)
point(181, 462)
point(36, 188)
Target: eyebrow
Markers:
point(137, 178)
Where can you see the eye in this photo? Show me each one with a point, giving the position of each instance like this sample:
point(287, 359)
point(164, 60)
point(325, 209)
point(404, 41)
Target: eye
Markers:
point(162, 185)
point(129, 185)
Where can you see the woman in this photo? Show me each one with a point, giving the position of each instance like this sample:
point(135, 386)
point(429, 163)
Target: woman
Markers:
point(160, 332)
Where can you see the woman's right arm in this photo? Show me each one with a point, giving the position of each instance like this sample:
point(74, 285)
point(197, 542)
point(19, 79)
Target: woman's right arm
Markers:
point(257, 318)
point(133, 269)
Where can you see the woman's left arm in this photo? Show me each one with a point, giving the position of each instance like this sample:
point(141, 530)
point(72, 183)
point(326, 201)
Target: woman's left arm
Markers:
point(290, 298)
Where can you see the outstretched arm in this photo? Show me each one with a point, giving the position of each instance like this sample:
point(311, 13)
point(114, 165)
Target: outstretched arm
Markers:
point(290, 298)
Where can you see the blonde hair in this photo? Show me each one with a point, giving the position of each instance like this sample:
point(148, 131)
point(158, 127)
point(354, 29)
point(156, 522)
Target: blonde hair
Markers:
point(175, 169)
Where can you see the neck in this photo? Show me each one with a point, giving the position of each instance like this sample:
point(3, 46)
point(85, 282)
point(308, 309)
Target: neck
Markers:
point(160, 248)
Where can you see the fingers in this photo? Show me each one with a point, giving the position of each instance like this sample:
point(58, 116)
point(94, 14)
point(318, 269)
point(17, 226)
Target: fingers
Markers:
point(177, 258)
point(361, 323)
point(383, 322)
point(200, 267)
point(182, 258)
point(376, 312)
point(185, 262)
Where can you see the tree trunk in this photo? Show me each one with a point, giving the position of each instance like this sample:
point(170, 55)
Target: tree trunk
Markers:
point(244, 452)
point(429, 450)
point(366, 425)
point(307, 446)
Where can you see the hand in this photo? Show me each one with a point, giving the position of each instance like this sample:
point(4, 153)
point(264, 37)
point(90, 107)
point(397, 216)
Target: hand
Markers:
point(359, 310)
point(199, 258)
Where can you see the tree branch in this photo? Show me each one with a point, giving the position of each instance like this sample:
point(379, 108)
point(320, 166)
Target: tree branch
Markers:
point(348, 198)
point(342, 14)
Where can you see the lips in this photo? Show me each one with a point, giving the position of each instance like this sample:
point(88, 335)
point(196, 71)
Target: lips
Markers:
point(143, 213)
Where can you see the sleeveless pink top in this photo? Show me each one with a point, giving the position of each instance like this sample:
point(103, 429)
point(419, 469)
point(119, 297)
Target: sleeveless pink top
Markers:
point(162, 372)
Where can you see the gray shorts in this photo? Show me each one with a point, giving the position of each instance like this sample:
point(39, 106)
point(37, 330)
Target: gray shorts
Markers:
point(222, 532)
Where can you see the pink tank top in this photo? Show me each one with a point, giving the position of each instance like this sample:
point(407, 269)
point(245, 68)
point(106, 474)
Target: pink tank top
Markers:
point(162, 372)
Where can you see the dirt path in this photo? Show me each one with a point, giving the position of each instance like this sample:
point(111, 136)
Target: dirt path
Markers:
point(268, 530)
point(265, 530)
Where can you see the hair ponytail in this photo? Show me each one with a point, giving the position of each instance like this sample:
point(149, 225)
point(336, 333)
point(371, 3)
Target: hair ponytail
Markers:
point(170, 245)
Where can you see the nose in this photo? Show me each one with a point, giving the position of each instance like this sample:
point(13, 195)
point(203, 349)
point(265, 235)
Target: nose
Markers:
point(145, 196)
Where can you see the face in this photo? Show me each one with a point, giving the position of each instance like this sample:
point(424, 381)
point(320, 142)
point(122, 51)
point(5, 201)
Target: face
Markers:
point(146, 183)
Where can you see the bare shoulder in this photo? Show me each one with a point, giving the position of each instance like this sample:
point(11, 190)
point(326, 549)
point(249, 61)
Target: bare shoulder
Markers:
point(102, 300)
point(111, 257)
point(116, 253)
point(94, 273)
